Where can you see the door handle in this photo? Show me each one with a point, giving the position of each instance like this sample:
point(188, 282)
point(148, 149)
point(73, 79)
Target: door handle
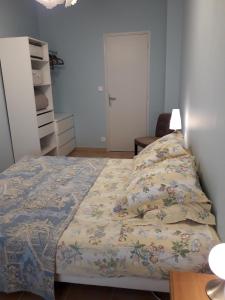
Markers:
point(111, 99)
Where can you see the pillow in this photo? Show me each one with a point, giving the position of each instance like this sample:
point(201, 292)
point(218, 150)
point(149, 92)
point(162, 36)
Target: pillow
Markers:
point(197, 212)
point(176, 137)
point(170, 182)
point(169, 146)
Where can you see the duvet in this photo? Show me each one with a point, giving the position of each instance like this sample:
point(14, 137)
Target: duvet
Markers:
point(57, 216)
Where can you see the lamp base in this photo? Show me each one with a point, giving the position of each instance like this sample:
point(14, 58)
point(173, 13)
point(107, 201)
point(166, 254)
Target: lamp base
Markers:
point(215, 289)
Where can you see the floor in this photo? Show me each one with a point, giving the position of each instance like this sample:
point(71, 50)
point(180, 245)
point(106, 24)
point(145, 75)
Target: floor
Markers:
point(66, 291)
point(80, 292)
point(86, 152)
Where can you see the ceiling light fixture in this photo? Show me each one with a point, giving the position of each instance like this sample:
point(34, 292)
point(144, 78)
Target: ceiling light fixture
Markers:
point(53, 3)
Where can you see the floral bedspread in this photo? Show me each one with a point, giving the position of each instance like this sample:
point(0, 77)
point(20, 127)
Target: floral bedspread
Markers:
point(38, 199)
point(96, 244)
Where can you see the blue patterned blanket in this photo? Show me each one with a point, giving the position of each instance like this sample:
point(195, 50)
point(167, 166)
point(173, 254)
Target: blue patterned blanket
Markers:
point(38, 199)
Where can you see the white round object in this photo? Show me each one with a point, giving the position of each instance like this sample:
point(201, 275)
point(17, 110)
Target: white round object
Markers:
point(217, 260)
point(53, 3)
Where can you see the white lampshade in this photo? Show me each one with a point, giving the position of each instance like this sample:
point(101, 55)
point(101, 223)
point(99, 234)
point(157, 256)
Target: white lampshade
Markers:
point(53, 3)
point(217, 260)
point(70, 2)
point(175, 121)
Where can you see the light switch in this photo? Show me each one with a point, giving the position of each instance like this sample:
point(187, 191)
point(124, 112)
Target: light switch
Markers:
point(100, 88)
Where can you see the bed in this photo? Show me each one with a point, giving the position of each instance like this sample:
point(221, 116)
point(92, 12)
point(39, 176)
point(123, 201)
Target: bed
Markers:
point(100, 241)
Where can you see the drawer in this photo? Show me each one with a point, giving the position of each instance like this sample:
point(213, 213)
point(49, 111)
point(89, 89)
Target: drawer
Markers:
point(46, 130)
point(65, 137)
point(67, 148)
point(45, 118)
point(64, 125)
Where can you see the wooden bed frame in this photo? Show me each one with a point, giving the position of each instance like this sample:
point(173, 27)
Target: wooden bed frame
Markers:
point(134, 283)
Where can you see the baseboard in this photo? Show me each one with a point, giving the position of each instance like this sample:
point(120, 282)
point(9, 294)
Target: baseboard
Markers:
point(85, 149)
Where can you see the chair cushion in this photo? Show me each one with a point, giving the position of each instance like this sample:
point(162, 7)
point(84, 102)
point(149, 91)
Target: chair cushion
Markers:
point(145, 141)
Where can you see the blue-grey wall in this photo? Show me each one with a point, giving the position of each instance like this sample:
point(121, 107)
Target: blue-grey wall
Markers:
point(77, 34)
point(203, 95)
point(17, 18)
point(173, 53)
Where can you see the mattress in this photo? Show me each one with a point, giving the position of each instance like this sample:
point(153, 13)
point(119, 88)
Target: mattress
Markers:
point(95, 244)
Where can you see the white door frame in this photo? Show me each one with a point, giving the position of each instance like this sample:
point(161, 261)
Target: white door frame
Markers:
point(105, 36)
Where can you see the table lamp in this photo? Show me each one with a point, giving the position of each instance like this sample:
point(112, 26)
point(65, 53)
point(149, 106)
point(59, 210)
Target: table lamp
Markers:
point(215, 289)
point(175, 121)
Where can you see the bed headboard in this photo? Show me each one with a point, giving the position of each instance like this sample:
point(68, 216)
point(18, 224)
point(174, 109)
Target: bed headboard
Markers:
point(203, 96)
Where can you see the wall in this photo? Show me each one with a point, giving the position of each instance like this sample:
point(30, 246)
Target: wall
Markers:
point(77, 34)
point(203, 95)
point(173, 53)
point(17, 18)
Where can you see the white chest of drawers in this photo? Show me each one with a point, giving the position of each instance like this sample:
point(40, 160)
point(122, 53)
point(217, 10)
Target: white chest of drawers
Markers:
point(65, 133)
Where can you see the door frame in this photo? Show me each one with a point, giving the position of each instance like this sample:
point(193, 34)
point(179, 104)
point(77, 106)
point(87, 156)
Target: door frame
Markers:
point(105, 36)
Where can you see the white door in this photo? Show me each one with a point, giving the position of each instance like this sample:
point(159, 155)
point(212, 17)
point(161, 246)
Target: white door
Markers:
point(127, 78)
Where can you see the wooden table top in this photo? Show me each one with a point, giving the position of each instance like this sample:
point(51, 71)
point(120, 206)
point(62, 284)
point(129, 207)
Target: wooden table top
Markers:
point(189, 286)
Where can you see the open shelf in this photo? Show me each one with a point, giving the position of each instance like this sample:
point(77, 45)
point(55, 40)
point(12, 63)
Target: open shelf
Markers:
point(36, 42)
point(38, 63)
point(48, 143)
point(48, 149)
point(43, 61)
point(42, 84)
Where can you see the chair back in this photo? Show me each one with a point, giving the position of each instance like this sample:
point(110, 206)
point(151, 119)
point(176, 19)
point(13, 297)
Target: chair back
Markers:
point(163, 125)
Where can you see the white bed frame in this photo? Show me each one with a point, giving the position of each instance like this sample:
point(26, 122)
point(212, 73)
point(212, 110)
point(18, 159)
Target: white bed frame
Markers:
point(134, 283)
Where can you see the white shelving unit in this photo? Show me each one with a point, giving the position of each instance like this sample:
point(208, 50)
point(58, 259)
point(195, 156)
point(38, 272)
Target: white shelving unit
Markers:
point(32, 131)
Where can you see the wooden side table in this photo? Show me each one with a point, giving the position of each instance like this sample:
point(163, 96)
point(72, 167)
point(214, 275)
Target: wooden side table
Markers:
point(189, 286)
point(143, 142)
